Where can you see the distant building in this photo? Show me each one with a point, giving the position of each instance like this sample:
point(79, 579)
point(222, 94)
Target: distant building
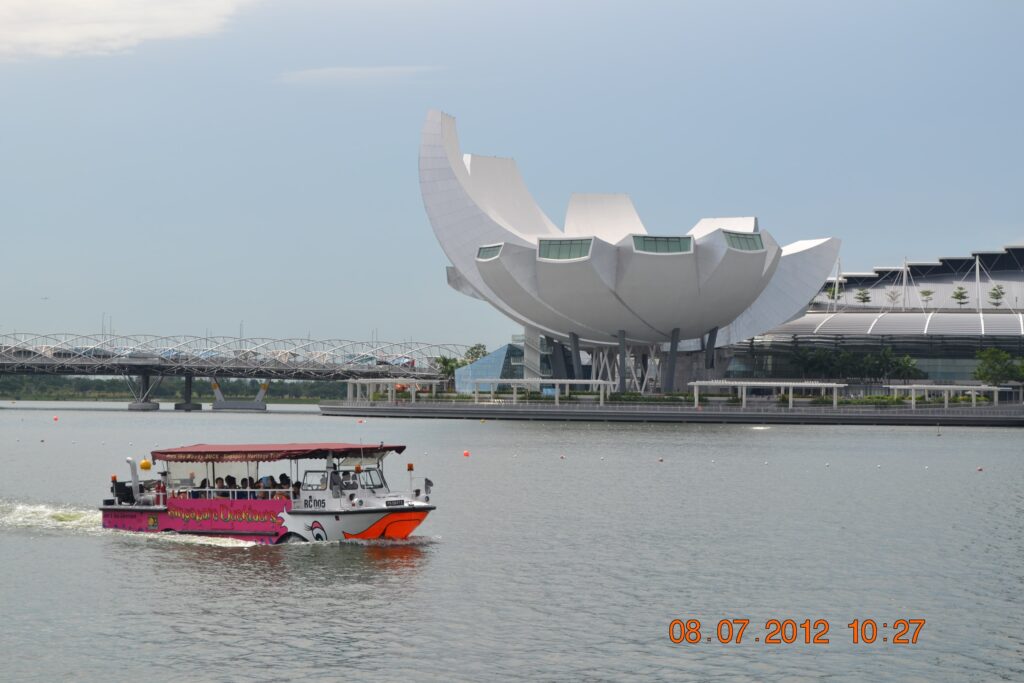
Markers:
point(601, 284)
point(909, 309)
point(505, 362)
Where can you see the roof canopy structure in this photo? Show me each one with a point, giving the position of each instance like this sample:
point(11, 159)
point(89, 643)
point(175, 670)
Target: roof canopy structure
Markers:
point(266, 452)
point(1008, 259)
point(603, 278)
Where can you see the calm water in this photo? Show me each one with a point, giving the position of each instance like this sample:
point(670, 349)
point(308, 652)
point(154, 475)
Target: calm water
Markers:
point(534, 566)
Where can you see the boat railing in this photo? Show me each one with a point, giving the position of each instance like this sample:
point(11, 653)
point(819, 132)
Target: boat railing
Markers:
point(195, 492)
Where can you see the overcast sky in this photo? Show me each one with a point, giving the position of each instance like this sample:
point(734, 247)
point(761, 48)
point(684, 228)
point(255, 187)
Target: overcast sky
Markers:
point(181, 166)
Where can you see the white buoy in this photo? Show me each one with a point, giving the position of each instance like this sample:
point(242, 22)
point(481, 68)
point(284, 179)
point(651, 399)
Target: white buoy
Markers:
point(661, 459)
point(712, 460)
point(765, 462)
point(827, 465)
point(602, 457)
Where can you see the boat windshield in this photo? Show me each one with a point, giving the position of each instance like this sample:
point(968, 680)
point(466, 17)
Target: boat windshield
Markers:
point(315, 480)
point(371, 479)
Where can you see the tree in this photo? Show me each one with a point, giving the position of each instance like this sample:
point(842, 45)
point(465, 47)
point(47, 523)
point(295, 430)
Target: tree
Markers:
point(834, 291)
point(960, 296)
point(448, 366)
point(475, 353)
point(906, 368)
point(893, 295)
point(996, 366)
point(927, 295)
point(863, 296)
point(996, 294)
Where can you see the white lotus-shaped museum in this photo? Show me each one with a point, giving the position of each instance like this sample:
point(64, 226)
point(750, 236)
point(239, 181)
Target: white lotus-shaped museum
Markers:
point(602, 278)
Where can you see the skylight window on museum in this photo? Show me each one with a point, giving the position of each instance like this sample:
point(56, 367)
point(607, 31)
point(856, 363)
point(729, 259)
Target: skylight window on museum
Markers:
point(744, 241)
point(563, 249)
point(489, 252)
point(662, 245)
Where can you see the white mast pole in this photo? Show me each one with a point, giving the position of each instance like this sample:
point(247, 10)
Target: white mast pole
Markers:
point(977, 281)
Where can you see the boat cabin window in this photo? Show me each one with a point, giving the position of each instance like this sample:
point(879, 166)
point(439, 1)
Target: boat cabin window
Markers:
point(371, 479)
point(315, 480)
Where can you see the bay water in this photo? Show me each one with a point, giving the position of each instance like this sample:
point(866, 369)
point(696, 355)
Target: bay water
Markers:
point(558, 551)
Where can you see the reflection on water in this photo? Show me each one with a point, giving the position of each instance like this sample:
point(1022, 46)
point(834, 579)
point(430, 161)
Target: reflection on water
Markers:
point(265, 568)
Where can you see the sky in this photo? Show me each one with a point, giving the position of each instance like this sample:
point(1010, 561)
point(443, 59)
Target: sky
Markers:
point(216, 166)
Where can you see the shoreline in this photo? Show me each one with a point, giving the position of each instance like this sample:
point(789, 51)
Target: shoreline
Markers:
point(953, 417)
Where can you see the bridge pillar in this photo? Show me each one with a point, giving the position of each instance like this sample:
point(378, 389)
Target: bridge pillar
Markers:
point(221, 403)
point(142, 400)
point(186, 397)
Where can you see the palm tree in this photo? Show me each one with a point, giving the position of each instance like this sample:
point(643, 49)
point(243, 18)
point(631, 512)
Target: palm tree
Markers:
point(926, 296)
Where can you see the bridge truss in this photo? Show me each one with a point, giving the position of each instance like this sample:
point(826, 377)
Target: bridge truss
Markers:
point(226, 357)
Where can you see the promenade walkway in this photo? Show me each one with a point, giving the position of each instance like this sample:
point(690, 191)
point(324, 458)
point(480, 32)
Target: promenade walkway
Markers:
point(1011, 415)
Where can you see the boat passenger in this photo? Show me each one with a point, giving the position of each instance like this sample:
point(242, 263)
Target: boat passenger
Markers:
point(243, 489)
point(285, 480)
point(296, 490)
point(201, 491)
point(221, 488)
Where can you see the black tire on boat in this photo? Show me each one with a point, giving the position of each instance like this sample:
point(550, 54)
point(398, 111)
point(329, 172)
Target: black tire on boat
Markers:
point(290, 537)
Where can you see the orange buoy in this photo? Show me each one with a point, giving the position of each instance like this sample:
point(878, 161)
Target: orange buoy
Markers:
point(55, 418)
point(465, 454)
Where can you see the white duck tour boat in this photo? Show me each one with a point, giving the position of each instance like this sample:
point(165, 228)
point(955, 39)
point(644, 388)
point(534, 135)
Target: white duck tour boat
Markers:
point(269, 493)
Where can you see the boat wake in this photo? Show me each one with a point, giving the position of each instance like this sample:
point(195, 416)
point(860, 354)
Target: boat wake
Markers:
point(41, 517)
point(389, 542)
point(68, 519)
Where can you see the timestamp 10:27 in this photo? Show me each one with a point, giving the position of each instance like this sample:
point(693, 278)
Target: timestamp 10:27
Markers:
point(785, 631)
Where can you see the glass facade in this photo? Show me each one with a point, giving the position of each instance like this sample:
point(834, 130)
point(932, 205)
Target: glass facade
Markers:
point(662, 245)
point(744, 241)
point(563, 249)
point(501, 363)
point(484, 253)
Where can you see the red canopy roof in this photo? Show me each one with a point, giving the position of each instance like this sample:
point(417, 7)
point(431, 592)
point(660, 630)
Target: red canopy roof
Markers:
point(262, 452)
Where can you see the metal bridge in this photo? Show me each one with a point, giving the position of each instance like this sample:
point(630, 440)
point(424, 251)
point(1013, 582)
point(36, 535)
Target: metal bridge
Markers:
point(148, 356)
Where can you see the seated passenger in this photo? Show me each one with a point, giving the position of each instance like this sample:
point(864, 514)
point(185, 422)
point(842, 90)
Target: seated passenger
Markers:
point(285, 481)
point(221, 488)
point(201, 491)
point(296, 490)
point(348, 481)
